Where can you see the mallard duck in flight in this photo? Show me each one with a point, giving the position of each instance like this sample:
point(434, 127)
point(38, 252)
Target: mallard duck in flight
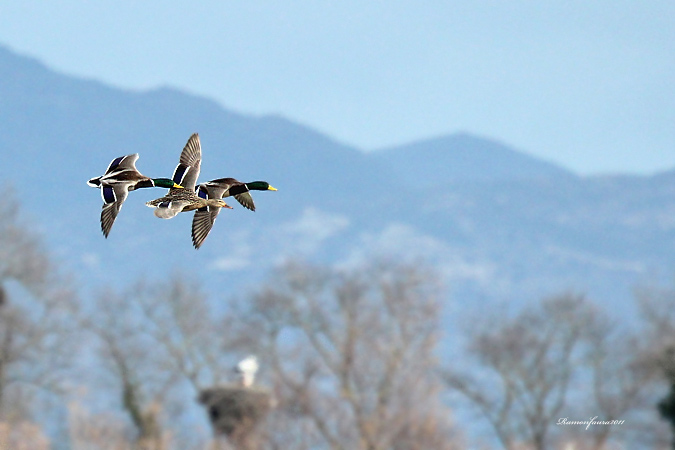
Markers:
point(119, 179)
point(183, 200)
point(223, 187)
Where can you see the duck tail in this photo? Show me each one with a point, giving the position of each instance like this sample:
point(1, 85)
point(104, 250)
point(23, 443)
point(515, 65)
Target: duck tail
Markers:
point(95, 182)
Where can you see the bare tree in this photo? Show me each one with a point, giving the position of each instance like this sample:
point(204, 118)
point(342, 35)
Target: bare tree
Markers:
point(96, 431)
point(657, 311)
point(128, 362)
point(36, 342)
point(351, 356)
point(529, 366)
point(152, 337)
point(622, 384)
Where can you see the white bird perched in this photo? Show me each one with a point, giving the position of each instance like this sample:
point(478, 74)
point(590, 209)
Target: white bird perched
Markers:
point(247, 368)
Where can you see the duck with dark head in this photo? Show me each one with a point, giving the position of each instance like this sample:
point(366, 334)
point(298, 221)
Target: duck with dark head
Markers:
point(121, 178)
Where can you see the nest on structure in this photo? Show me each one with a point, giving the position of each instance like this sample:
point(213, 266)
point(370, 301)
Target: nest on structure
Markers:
point(235, 411)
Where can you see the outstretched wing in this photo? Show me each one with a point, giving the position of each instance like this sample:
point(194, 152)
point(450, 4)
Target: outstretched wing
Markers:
point(113, 197)
point(224, 187)
point(187, 170)
point(127, 162)
point(215, 188)
point(202, 223)
point(245, 200)
point(204, 218)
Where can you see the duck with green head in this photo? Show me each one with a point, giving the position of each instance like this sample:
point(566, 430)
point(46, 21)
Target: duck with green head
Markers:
point(119, 179)
point(226, 187)
point(204, 218)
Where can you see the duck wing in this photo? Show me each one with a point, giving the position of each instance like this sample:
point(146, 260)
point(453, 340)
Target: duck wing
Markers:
point(226, 187)
point(202, 222)
point(121, 163)
point(113, 198)
point(245, 200)
point(187, 170)
point(205, 217)
point(216, 188)
point(120, 168)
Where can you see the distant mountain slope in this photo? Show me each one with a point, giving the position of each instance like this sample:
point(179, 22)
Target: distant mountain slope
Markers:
point(67, 130)
point(462, 157)
point(497, 223)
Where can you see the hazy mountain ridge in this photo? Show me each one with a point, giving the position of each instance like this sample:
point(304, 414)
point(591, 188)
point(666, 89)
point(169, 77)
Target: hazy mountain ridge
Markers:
point(496, 221)
point(462, 156)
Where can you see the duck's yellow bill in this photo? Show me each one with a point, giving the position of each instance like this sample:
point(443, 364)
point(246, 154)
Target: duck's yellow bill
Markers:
point(178, 186)
point(271, 188)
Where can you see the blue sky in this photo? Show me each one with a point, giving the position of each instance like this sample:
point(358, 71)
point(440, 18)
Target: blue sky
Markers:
point(589, 85)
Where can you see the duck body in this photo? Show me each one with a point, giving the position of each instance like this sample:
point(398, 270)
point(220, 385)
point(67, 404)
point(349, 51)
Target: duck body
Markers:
point(182, 200)
point(119, 179)
point(185, 200)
